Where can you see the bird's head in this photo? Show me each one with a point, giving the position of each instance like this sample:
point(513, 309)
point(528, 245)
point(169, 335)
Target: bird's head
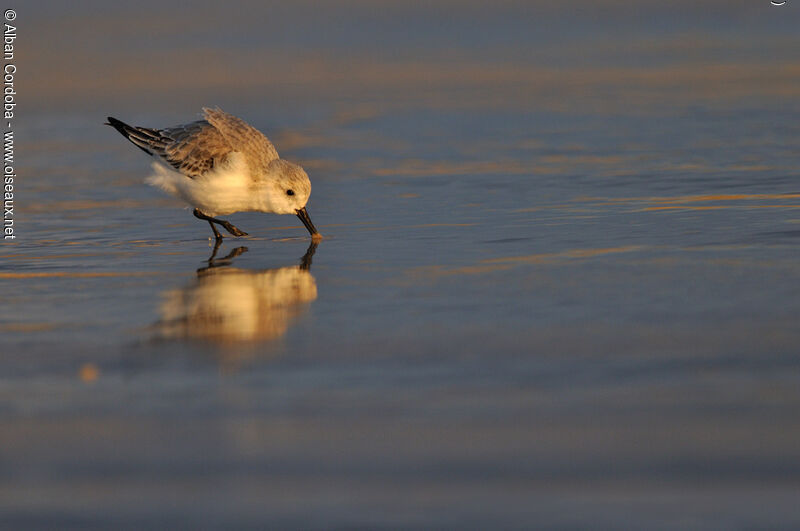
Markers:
point(289, 190)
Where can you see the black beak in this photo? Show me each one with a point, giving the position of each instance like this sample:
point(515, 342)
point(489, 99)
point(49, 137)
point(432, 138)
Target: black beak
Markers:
point(303, 215)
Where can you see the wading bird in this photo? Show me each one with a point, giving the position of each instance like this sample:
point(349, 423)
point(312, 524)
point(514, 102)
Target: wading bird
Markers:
point(220, 165)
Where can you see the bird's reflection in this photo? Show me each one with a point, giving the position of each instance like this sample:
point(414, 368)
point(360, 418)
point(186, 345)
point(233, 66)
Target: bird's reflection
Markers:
point(228, 305)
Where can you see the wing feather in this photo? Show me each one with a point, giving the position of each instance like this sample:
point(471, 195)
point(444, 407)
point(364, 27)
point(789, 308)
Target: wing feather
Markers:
point(195, 148)
point(256, 147)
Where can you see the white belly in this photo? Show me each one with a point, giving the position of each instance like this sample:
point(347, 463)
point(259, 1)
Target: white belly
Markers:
point(224, 190)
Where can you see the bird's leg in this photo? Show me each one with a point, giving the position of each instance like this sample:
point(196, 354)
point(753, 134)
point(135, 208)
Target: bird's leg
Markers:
point(200, 215)
point(217, 235)
point(230, 227)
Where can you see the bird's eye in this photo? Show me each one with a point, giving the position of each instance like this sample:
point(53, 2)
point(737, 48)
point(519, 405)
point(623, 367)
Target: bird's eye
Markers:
point(289, 192)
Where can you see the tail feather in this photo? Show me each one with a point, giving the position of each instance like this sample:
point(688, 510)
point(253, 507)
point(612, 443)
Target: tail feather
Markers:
point(142, 137)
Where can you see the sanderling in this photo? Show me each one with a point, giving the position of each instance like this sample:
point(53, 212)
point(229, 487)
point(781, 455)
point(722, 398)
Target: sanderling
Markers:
point(222, 165)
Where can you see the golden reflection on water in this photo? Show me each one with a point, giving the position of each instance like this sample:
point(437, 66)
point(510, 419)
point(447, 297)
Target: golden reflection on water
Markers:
point(227, 305)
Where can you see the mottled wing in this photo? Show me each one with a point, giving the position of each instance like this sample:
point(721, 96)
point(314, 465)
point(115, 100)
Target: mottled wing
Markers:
point(193, 148)
point(256, 148)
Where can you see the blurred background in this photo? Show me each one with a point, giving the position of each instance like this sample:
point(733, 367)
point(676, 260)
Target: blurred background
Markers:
point(558, 289)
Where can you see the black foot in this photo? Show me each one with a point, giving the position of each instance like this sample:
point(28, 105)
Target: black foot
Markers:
point(230, 227)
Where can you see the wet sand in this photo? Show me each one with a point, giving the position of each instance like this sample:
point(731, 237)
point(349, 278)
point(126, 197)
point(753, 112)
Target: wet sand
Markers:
point(558, 287)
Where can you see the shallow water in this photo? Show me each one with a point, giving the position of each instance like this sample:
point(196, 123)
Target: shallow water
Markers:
point(558, 288)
